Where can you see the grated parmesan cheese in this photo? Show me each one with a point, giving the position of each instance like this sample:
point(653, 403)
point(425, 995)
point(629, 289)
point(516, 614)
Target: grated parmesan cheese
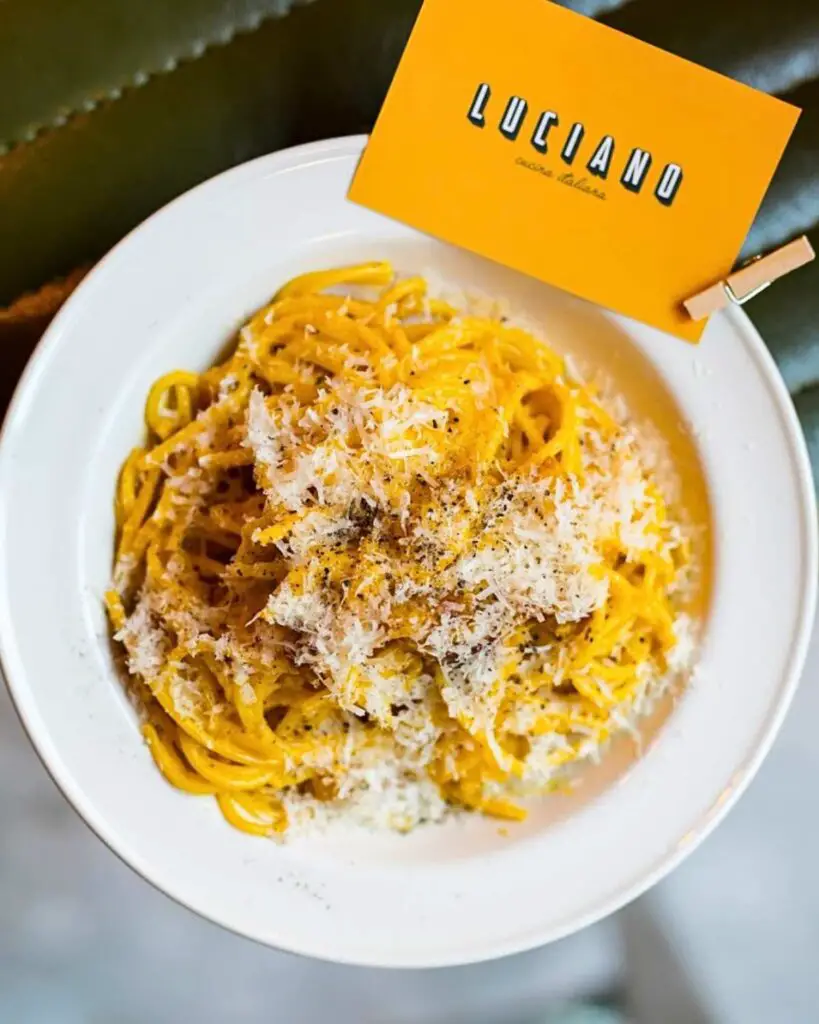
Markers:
point(411, 580)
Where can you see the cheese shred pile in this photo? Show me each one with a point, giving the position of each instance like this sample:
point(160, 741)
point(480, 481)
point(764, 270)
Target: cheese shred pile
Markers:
point(387, 561)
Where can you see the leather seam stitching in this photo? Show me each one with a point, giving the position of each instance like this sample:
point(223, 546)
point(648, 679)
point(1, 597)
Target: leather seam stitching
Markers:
point(195, 51)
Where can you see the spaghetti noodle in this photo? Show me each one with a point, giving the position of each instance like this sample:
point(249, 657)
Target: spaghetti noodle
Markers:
point(387, 560)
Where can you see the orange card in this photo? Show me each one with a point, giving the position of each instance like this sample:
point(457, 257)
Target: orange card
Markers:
point(574, 153)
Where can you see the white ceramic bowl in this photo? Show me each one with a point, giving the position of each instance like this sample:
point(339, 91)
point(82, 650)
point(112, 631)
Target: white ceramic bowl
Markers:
point(169, 296)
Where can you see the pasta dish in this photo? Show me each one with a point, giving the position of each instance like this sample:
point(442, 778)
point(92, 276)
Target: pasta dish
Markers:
point(390, 560)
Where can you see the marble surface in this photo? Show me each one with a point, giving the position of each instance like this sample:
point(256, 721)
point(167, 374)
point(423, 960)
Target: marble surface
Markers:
point(732, 936)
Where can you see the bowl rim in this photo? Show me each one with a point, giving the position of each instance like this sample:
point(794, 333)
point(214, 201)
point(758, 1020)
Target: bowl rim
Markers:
point(16, 674)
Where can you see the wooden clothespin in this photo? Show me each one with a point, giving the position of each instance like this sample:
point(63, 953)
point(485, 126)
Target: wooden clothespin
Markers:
point(751, 278)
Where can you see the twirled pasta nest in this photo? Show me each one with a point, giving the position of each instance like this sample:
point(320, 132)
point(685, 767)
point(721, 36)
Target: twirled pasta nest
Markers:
point(387, 560)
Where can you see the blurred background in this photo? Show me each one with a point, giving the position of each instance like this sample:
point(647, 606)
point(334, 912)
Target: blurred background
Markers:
point(108, 109)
